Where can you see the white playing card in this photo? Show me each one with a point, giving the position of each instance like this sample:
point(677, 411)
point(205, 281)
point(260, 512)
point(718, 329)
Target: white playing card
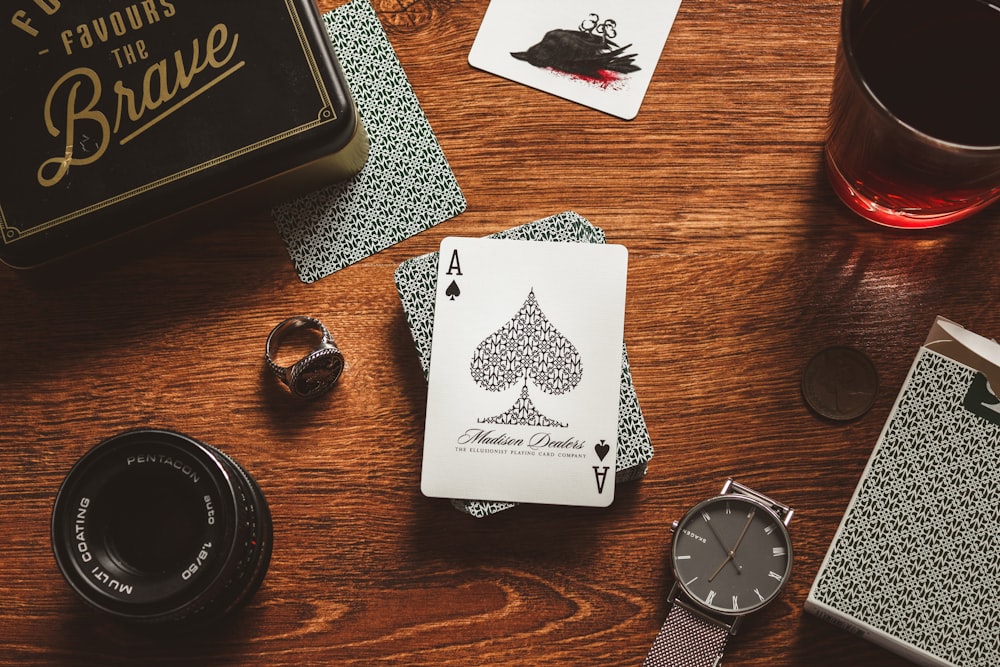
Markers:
point(526, 359)
point(601, 53)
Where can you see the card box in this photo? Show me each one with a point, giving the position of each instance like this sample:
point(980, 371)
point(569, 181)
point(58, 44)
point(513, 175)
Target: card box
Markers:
point(915, 563)
point(120, 114)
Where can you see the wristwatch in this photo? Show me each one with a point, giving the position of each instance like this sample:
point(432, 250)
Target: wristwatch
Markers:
point(731, 556)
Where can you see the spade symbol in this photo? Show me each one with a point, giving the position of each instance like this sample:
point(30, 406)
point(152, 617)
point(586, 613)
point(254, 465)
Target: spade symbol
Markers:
point(527, 347)
point(602, 448)
point(452, 291)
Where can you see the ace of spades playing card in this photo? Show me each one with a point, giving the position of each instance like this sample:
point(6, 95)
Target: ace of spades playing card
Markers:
point(526, 359)
point(600, 53)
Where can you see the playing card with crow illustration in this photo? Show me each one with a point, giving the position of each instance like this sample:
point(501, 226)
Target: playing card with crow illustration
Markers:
point(601, 54)
point(523, 393)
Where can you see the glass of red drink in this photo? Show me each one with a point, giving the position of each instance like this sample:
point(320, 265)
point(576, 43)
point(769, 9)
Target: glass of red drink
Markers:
point(914, 133)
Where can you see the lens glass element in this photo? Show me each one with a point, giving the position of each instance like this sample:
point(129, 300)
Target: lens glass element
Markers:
point(153, 523)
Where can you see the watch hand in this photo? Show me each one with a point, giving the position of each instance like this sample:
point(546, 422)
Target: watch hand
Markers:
point(732, 552)
point(719, 569)
point(739, 539)
point(729, 553)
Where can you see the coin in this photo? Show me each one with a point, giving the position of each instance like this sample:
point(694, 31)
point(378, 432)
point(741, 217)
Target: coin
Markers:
point(840, 383)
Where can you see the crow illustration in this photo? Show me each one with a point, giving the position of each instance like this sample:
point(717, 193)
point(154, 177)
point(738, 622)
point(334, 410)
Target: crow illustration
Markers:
point(578, 52)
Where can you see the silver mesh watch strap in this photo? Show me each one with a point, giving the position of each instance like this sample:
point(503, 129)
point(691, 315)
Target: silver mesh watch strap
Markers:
point(688, 639)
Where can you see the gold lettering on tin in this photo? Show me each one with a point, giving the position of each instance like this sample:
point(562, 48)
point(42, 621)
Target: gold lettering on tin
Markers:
point(21, 20)
point(50, 7)
point(87, 111)
point(109, 27)
point(159, 96)
point(162, 83)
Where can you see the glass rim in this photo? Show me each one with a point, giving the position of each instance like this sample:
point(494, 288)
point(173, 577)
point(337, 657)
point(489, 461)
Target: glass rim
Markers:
point(850, 10)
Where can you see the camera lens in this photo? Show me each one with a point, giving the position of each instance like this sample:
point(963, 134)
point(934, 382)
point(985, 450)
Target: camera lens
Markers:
point(153, 526)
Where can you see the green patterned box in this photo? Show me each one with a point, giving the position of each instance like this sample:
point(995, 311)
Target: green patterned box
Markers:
point(915, 563)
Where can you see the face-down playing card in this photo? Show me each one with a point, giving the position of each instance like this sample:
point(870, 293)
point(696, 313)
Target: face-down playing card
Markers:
point(524, 384)
point(601, 54)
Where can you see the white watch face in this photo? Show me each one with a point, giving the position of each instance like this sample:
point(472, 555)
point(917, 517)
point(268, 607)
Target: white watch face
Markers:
point(731, 554)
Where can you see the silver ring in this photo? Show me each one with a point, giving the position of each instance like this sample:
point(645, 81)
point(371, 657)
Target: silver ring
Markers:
point(315, 373)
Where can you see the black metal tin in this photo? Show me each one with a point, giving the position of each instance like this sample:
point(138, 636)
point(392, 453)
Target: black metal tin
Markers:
point(117, 114)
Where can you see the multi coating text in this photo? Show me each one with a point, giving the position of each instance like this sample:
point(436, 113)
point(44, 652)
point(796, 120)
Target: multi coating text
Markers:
point(80, 533)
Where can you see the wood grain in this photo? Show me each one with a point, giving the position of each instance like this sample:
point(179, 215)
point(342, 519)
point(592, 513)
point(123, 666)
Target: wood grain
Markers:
point(742, 265)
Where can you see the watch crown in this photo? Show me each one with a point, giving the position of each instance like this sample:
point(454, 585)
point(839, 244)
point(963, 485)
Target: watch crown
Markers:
point(673, 526)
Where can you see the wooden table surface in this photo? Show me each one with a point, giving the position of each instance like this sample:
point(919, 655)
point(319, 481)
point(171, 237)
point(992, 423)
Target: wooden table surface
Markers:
point(742, 265)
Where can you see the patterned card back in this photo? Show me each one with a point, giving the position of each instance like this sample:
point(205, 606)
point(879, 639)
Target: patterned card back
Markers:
point(915, 564)
point(407, 185)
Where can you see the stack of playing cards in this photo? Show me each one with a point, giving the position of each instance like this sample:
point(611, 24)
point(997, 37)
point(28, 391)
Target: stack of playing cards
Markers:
point(522, 404)
point(601, 54)
point(550, 377)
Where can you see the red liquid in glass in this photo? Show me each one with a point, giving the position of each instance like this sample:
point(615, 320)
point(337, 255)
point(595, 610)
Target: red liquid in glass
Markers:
point(935, 66)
